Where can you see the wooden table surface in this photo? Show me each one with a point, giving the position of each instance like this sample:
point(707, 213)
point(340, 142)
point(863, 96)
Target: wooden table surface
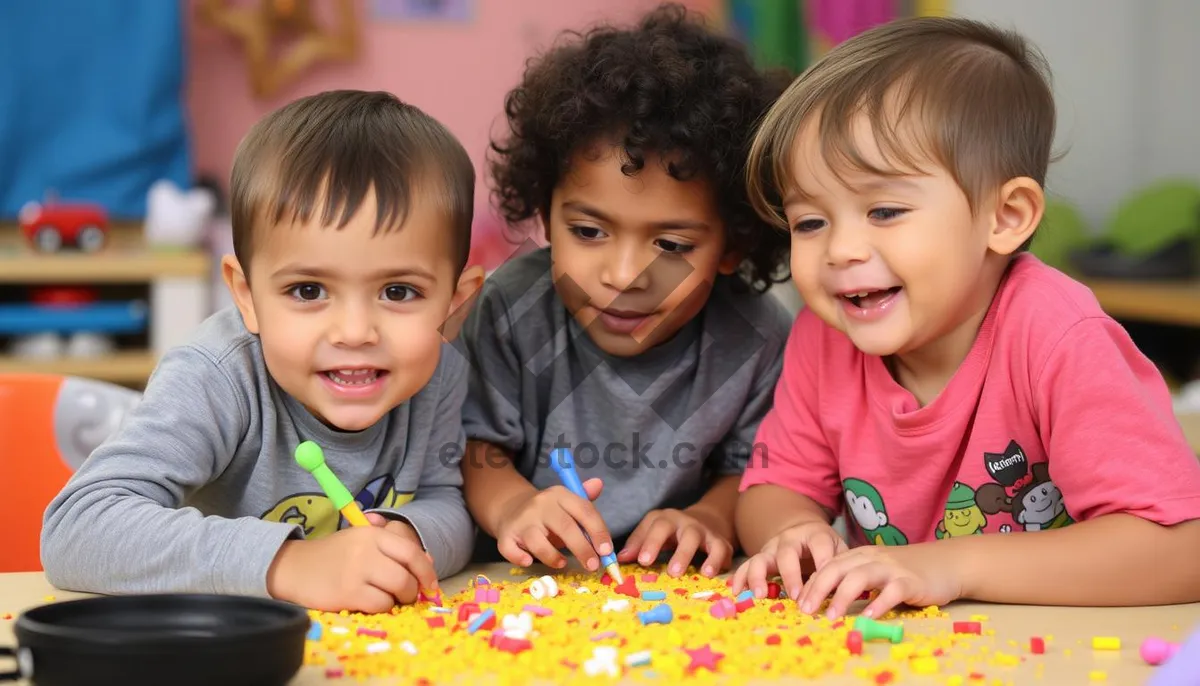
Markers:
point(1069, 657)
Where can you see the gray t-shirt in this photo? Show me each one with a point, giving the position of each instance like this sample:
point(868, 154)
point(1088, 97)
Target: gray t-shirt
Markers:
point(199, 488)
point(657, 428)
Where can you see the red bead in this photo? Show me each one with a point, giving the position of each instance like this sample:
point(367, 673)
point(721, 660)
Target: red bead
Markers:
point(774, 590)
point(1037, 645)
point(967, 628)
point(854, 642)
point(773, 640)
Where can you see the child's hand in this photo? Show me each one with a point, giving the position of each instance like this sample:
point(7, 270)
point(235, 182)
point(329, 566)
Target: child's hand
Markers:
point(688, 531)
point(365, 569)
point(398, 527)
point(919, 575)
point(549, 520)
point(782, 555)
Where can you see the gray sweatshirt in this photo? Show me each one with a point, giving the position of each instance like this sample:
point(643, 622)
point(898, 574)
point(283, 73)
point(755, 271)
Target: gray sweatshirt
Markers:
point(198, 489)
point(657, 428)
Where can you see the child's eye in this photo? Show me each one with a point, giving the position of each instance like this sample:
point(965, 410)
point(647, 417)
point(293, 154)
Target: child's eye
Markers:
point(808, 225)
point(587, 233)
point(397, 292)
point(673, 247)
point(307, 292)
point(884, 214)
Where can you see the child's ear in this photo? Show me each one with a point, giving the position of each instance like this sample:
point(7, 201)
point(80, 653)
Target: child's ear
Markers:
point(1019, 208)
point(239, 288)
point(467, 290)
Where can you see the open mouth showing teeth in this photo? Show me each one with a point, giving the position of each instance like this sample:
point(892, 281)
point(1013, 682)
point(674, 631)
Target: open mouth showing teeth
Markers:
point(354, 377)
point(869, 299)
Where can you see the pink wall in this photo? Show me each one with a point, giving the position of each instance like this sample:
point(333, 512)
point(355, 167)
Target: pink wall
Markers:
point(457, 73)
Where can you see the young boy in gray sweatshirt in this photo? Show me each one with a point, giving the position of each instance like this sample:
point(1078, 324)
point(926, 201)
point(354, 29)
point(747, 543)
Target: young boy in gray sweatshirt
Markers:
point(351, 225)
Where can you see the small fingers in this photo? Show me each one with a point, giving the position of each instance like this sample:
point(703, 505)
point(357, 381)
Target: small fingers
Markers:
point(687, 543)
point(633, 544)
point(893, 593)
point(823, 548)
point(720, 556)
point(567, 530)
point(790, 571)
point(821, 584)
point(411, 557)
point(854, 582)
point(586, 515)
point(535, 541)
point(514, 553)
point(660, 532)
point(759, 568)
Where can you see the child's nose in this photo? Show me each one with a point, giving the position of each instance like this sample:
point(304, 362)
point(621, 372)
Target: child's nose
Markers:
point(625, 269)
point(846, 245)
point(354, 326)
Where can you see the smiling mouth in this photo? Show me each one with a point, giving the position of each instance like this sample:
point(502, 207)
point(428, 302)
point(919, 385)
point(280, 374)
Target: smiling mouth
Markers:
point(354, 377)
point(626, 314)
point(868, 299)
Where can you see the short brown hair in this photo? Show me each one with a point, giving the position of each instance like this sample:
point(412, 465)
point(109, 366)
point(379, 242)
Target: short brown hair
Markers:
point(324, 153)
point(980, 98)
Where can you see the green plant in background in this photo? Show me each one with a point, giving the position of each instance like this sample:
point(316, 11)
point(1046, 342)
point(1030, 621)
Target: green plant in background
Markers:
point(1062, 231)
point(1156, 216)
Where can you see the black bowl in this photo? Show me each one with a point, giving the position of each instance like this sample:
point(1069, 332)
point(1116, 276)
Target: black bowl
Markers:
point(177, 639)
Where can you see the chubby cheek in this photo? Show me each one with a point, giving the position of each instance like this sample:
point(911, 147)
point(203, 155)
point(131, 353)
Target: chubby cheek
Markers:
point(416, 351)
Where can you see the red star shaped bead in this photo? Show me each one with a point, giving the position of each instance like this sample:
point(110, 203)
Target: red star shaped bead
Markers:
point(703, 657)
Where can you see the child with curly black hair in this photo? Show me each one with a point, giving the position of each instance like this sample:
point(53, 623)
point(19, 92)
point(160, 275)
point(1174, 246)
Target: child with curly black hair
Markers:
point(640, 338)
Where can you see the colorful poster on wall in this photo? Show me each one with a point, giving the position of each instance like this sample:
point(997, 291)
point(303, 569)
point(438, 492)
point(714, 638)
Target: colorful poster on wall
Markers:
point(423, 10)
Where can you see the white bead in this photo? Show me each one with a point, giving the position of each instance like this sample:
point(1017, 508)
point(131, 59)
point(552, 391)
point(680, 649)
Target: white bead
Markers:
point(537, 589)
point(551, 586)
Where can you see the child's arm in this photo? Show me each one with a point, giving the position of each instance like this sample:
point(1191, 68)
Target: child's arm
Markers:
point(765, 511)
point(792, 475)
point(491, 484)
point(118, 525)
point(1119, 458)
point(1113, 560)
point(437, 512)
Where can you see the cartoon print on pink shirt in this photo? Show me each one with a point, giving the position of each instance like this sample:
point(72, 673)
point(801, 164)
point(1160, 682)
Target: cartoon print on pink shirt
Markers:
point(963, 516)
point(1022, 490)
point(866, 507)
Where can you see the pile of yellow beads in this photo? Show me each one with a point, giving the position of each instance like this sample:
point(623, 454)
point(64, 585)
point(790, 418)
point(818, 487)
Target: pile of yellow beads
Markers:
point(578, 628)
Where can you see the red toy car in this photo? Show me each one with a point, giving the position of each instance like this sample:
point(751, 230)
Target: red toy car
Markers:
point(56, 225)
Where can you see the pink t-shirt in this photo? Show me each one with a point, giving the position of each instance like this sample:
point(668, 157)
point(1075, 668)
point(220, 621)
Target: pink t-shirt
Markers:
point(1054, 417)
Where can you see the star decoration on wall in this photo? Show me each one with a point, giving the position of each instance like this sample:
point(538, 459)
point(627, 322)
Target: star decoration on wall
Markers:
point(260, 27)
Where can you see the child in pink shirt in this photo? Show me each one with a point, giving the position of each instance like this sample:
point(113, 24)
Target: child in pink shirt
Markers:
point(942, 382)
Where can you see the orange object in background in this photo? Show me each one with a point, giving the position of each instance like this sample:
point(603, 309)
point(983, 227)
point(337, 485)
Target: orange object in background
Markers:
point(49, 424)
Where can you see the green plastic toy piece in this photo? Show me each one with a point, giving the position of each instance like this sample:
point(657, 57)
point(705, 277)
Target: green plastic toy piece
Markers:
point(1155, 216)
point(310, 457)
point(871, 630)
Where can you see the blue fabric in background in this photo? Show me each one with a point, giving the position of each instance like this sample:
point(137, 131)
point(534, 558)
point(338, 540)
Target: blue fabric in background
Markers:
point(91, 102)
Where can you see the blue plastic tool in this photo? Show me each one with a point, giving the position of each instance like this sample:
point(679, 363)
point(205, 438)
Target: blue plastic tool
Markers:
point(564, 465)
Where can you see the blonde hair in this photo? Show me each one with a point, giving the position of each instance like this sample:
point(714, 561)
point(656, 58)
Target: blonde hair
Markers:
point(973, 98)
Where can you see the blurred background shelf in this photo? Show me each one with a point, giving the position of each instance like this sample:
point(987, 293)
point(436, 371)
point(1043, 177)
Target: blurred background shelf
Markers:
point(124, 367)
point(177, 282)
point(1162, 302)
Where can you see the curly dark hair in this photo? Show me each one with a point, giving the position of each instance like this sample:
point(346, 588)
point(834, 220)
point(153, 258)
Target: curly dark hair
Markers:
point(668, 86)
